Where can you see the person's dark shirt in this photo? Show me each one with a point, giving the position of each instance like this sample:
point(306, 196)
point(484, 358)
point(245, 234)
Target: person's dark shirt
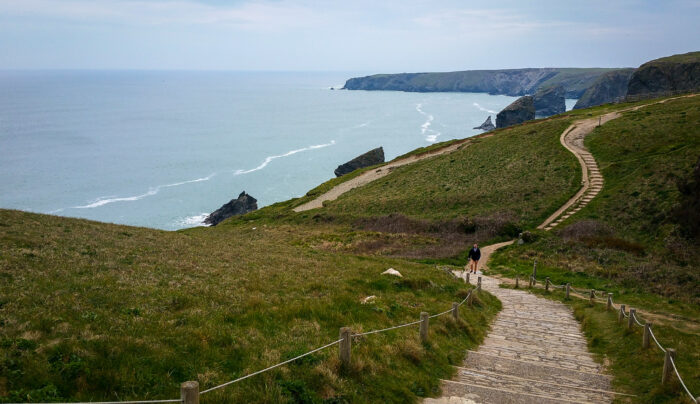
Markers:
point(474, 254)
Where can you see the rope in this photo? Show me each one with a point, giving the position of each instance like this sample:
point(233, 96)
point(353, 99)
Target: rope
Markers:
point(465, 299)
point(385, 329)
point(175, 400)
point(634, 316)
point(440, 314)
point(655, 340)
point(271, 367)
point(681, 380)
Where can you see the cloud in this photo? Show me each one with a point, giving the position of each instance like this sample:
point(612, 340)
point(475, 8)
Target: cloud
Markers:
point(250, 15)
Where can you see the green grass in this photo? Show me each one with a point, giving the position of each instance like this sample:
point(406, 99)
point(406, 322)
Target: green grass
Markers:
point(522, 171)
point(94, 311)
point(637, 370)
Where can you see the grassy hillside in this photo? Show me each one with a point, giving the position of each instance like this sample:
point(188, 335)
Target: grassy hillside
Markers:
point(93, 311)
point(98, 311)
point(633, 240)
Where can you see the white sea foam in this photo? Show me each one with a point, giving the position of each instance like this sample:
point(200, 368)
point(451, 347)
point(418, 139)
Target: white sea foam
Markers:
point(105, 200)
point(192, 221)
point(476, 104)
point(362, 125)
point(431, 135)
point(269, 159)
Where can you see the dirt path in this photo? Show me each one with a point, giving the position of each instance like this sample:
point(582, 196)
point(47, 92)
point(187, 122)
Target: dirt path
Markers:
point(373, 175)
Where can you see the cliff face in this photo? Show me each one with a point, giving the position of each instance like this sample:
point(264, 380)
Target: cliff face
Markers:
point(372, 157)
point(609, 87)
point(521, 110)
point(514, 82)
point(487, 125)
point(673, 73)
point(549, 101)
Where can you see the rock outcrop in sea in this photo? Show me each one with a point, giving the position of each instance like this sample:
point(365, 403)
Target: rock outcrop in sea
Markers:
point(673, 73)
point(242, 205)
point(487, 125)
point(372, 157)
point(549, 101)
point(521, 110)
point(609, 87)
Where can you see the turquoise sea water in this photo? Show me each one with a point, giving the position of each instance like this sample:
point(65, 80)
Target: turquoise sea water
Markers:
point(161, 149)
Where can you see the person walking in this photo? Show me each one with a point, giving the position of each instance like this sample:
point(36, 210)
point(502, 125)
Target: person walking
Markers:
point(474, 256)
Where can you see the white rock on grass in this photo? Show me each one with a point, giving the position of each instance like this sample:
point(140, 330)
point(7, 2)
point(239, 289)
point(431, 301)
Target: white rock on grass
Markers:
point(392, 271)
point(368, 299)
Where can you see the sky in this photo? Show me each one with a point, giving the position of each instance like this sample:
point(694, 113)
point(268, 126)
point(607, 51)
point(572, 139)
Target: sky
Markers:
point(350, 35)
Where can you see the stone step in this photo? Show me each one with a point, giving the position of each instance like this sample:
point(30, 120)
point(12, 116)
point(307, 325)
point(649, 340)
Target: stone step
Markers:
point(523, 343)
point(571, 392)
point(536, 371)
point(544, 356)
point(491, 395)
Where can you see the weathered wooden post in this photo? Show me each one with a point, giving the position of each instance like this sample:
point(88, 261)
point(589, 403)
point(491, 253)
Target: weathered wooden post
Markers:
point(592, 296)
point(467, 277)
point(530, 284)
point(568, 286)
point(470, 297)
point(424, 319)
point(668, 368)
point(609, 301)
point(345, 346)
point(534, 269)
point(189, 392)
point(647, 335)
point(621, 316)
point(630, 319)
point(455, 311)
point(517, 281)
point(478, 283)
point(546, 284)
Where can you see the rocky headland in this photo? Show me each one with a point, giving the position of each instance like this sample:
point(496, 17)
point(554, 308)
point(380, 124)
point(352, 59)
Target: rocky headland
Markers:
point(372, 157)
point(549, 101)
point(673, 73)
point(513, 82)
point(521, 110)
point(239, 206)
point(609, 87)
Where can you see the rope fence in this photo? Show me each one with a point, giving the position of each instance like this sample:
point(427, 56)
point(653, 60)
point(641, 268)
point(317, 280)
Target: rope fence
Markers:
point(190, 394)
point(669, 365)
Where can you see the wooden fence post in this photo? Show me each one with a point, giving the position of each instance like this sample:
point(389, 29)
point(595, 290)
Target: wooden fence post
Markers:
point(546, 284)
point(455, 311)
point(467, 277)
point(534, 269)
point(345, 346)
point(647, 335)
point(189, 392)
point(621, 316)
point(609, 301)
point(668, 368)
point(424, 319)
point(568, 286)
point(592, 297)
point(517, 281)
point(630, 319)
point(470, 297)
point(478, 283)
point(529, 285)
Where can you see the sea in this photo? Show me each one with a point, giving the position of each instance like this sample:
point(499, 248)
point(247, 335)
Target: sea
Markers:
point(162, 149)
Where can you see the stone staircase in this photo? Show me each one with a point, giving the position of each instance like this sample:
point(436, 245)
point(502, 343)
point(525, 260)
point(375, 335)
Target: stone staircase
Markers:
point(534, 353)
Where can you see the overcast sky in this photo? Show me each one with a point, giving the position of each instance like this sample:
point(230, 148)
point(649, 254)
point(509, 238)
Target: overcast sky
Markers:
point(350, 35)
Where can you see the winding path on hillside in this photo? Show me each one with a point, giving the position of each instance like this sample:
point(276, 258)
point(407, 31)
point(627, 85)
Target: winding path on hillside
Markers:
point(535, 351)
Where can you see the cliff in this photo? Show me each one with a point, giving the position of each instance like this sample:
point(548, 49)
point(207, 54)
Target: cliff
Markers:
point(521, 110)
point(513, 82)
point(372, 157)
point(607, 88)
point(549, 101)
point(673, 73)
